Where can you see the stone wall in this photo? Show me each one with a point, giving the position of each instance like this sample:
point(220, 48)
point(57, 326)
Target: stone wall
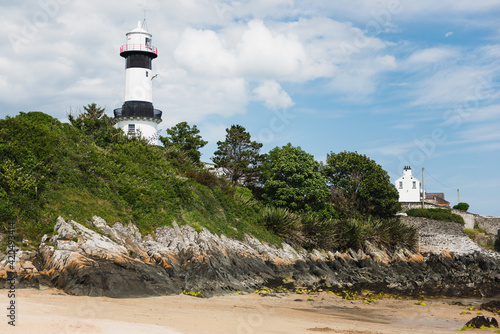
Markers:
point(440, 237)
point(415, 205)
point(418, 205)
point(469, 218)
point(489, 224)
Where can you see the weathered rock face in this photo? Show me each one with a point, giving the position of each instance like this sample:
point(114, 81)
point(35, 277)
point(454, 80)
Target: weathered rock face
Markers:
point(119, 262)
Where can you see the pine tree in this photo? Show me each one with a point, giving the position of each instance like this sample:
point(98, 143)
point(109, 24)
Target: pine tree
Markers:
point(186, 138)
point(239, 156)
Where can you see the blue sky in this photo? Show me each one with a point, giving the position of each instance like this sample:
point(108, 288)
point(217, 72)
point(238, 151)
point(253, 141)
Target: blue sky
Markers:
point(404, 82)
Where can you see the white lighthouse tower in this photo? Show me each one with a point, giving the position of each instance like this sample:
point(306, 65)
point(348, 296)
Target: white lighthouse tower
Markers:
point(137, 115)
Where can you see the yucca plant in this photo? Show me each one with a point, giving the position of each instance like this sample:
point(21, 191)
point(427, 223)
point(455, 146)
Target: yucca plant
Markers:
point(318, 232)
point(281, 221)
point(352, 233)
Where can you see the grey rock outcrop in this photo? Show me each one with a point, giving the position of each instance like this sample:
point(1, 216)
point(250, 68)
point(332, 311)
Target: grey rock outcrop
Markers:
point(117, 261)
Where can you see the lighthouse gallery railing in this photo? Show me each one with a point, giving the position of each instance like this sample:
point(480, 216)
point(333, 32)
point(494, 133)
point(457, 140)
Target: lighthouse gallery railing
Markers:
point(138, 47)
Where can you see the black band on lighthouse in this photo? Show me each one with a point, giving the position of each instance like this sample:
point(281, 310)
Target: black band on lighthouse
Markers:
point(137, 109)
point(140, 60)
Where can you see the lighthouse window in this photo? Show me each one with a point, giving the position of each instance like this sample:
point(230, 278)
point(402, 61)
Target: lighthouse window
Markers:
point(414, 184)
point(147, 74)
point(131, 129)
point(400, 184)
point(148, 42)
point(138, 60)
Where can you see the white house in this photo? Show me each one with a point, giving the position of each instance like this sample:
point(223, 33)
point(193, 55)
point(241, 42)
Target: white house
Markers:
point(408, 187)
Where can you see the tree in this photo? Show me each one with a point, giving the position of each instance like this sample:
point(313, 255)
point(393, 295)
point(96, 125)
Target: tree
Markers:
point(238, 156)
point(292, 179)
point(94, 123)
point(358, 185)
point(462, 206)
point(186, 138)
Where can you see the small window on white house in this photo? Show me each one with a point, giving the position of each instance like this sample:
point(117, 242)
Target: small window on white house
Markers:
point(414, 184)
point(400, 184)
point(131, 129)
point(147, 74)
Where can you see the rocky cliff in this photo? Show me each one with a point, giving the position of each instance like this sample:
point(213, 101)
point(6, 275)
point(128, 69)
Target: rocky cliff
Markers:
point(117, 261)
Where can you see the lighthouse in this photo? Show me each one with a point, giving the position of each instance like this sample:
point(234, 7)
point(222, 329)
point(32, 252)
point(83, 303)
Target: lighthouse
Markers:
point(137, 116)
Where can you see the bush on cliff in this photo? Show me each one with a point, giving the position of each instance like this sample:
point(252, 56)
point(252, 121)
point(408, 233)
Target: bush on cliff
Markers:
point(313, 231)
point(462, 206)
point(437, 214)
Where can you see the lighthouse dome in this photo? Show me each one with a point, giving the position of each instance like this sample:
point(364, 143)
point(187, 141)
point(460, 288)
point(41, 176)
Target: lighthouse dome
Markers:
point(138, 41)
point(139, 30)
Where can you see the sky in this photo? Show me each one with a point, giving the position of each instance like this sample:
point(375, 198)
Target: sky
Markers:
point(407, 83)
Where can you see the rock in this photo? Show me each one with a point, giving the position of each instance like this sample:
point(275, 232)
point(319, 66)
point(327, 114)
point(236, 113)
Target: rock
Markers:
point(116, 261)
point(492, 306)
point(482, 321)
point(64, 230)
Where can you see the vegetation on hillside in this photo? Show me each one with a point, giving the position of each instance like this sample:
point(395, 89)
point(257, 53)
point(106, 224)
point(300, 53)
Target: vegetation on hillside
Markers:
point(313, 231)
point(438, 214)
point(88, 167)
point(49, 169)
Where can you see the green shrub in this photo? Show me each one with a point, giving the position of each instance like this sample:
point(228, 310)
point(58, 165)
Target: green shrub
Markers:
point(462, 207)
point(437, 214)
point(318, 232)
point(281, 221)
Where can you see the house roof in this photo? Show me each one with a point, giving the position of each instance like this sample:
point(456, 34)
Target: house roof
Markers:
point(434, 195)
point(438, 198)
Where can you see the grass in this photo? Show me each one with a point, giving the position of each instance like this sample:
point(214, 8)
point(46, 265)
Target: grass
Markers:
point(471, 233)
point(437, 214)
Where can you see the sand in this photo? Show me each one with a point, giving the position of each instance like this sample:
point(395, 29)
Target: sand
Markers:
point(52, 311)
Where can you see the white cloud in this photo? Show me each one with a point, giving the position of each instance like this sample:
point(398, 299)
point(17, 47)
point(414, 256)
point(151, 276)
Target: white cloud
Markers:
point(448, 34)
point(466, 80)
point(482, 133)
point(360, 78)
point(203, 52)
point(213, 132)
point(273, 95)
point(395, 149)
point(211, 52)
point(486, 114)
point(431, 55)
point(265, 54)
point(387, 12)
point(194, 98)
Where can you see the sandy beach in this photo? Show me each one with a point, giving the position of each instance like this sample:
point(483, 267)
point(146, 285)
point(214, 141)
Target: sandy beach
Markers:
point(52, 311)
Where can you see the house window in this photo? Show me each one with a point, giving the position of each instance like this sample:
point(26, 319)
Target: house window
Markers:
point(131, 129)
point(400, 184)
point(147, 74)
point(414, 184)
